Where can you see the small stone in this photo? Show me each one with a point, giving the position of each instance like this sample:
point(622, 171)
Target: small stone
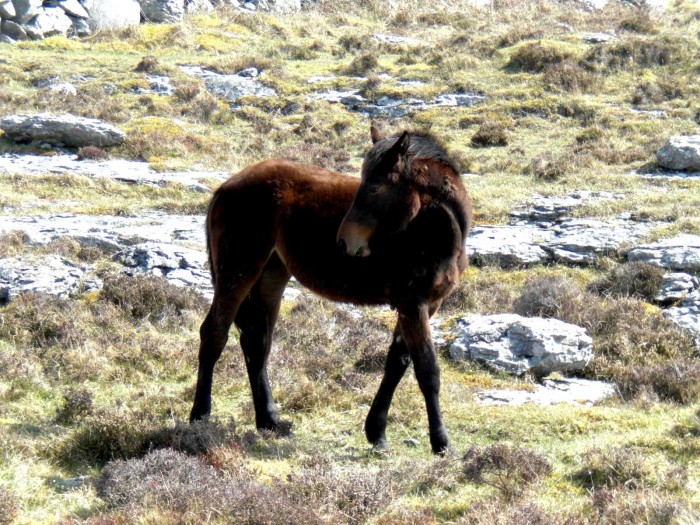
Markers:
point(249, 6)
point(64, 88)
point(681, 153)
point(551, 392)
point(249, 72)
point(66, 129)
point(411, 442)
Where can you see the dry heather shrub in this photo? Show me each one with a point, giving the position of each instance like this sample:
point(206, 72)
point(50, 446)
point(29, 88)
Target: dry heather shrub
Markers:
point(569, 76)
point(636, 52)
point(549, 168)
point(92, 153)
point(362, 64)
point(150, 297)
point(349, 496)
point(548, 296)
point(77, 405)
point(193, 490)
point(12, 243)
point(659, 91)
point(677, 381)
point(198, 438)
point(490, 133)
point(619, 467)
point(639, 21)
point(508, 469)
point(151, 64)
point(9, 506)
point(187, 91)
point(632, 507)
point(437, 474)
point(535, 57)
point(43, 320)
point(633, 279)
point(498, 512)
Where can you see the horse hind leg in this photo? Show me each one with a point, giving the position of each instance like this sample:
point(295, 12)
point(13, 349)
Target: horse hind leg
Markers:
point(256, 320)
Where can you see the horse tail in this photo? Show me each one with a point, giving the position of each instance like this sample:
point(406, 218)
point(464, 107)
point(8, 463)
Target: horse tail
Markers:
point(207, 231)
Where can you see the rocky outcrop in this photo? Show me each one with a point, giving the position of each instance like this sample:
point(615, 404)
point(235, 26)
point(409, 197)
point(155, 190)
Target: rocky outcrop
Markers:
point(61, 130)
point(231, 87)
point(112, 14)
point(49, 274)
point(677, 253)
point(567, 390)
point(681, 153)
point(676, 287)
point(516, 344)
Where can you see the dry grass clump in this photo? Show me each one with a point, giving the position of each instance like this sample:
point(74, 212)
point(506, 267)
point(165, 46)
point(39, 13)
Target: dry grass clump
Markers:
point(623, 467)
point(187, 91)
point(639, 21)
point(92, 153)
point(150, 297)
point(536, 56)
point(486, 294)
point(499, 512)
point(490, 133)
point(677, 381)
point(351, 496)
point(548, 296)
point(198, 438)
point(570, 77)
point(508, 469)
point(636, 52)
point(658, 91)
point(547, 167)
point(77, 405)
point(12, 243)
point(152, 65)
point(632, 507)
point(362, 64)
point(633, 279)
point(9, 506)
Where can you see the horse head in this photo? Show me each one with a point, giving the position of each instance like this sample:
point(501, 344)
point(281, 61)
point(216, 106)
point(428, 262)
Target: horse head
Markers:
point(399, 177)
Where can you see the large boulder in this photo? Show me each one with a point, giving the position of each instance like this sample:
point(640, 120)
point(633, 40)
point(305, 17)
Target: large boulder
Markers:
point(71, 7)
point(7, 9)
point(163, 11)
point(681, 252)
point(112, 14)
point(681, 153)
point(67, 130)
point(26, 10)
point(51, 21)
point(516, 344)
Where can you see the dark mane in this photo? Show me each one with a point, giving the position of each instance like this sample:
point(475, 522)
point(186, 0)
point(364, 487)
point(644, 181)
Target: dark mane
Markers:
point(423, 145)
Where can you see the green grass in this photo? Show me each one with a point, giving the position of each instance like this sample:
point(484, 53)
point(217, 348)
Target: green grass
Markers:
point(140, 373)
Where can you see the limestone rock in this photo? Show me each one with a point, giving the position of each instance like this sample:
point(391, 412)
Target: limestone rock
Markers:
point(193, 6)
point(50, 274)
point(67, 130)
point(515, 344)
point(676, 287)
point(278, 6)
point(677, 253)
point(112, 14)
point(163, 11)
point(51, 21)
point(72, 7)
point(681, 153)
point(551, 392)
point(7, 9)
point(687, 315)
point(26, 10)
point(13, 30)
point(508, 246)
point(230, 87)
point(551, 209)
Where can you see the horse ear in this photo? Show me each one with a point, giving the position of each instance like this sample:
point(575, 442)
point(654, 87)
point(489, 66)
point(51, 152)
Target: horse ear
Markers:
point(376, 136)
point(402, 145)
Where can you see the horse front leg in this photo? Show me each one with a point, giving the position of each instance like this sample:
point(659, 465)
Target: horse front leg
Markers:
point(397, 362)
point(415, 331)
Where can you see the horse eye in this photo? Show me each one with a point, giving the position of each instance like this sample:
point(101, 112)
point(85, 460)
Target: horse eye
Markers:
point(373, 189)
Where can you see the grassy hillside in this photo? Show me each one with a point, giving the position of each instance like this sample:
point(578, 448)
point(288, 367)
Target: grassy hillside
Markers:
point(94, 389)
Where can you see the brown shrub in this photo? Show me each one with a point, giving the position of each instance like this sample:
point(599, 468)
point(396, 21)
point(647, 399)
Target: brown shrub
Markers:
point(508, 469)
point(632, 279)
point(150, 297)
point(535, 57)
point(150, 64)
point(677, 380)
point(187, 91)
point(615, 467)
point(12, 243)
point(92, 153)
point(9, 506)
point(631, 507)
point(362, 64)
point(639, 21)
point(498, 512)
point(490, 133)
point(569, 76)
point(198, 438)
point(659, 91)
point(549, 168)
point(77, 405)
point(548, 296)
point(635, 52)
point(486, 294)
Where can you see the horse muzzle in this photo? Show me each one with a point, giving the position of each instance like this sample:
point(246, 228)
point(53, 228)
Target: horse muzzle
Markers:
point(353, 239)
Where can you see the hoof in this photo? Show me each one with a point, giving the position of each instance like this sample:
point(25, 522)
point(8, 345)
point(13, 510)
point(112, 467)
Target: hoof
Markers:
point(278, 428)
point(199, 414)
point(440, 443)
point(380, 447)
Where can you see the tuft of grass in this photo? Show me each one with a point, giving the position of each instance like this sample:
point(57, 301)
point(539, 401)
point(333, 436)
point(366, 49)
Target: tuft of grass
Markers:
point(9, 506)
point(499, 512)
point(627, 507)
point(548, 167)
point(77, 405)
point(508, 469)
point(633, 279)
point(677, 381)
point(152, 65)
point(490, 133)
point(568, 76)
point(150, 297)
point(362, 64)
point(92, 153)
point(534, 57)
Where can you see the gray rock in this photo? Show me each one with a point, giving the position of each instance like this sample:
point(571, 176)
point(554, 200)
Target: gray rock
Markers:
point(393, 39)
point(249, 72)
point(71, 7)
point(279, 6)
point(7, 9)
point(687, 315)
point(597, 38)
point(13, 30)
point(112, 14)
point(51, 21)
point(680, 153)
point(411, 442)
point(163, 11)
point(249, 6)
point(193, 6)
point(581, 241)
point(551, 392)
point(229, 87)
point(179, 265)
point(26, 10)
point(50, 274)
point(68, 130)
point(81, 27)
point(508, 246)
point(678, 253)
point(516, 344)
point(160, 85)
point(63, 88)
point(552, 209)
point(676, 287)
point(4, 39)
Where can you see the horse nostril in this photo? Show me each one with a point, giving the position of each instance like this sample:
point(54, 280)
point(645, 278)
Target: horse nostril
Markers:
point(342, 247)
point(360, 251)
